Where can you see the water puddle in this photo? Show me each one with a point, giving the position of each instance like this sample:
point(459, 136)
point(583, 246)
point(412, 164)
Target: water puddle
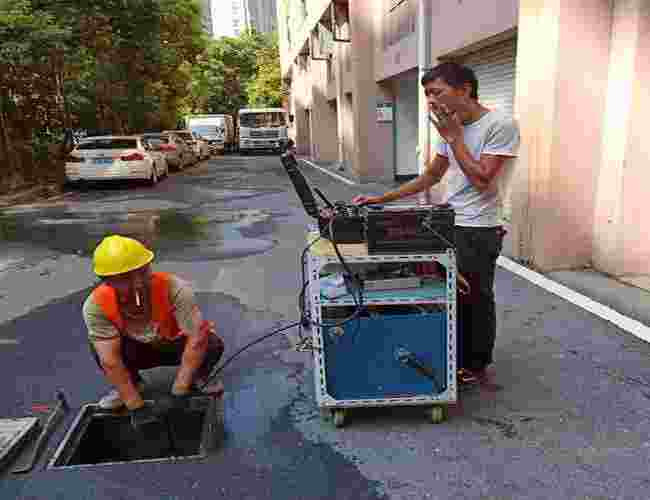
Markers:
point(173, 233)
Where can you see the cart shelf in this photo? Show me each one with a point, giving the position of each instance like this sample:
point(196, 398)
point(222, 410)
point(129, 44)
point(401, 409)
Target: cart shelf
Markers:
point(429, 293)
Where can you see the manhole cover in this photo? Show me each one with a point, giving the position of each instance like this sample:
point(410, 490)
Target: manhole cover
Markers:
point(13, 432)
point(103, 437)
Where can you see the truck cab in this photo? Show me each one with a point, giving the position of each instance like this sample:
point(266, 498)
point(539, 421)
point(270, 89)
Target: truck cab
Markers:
point(263, 129)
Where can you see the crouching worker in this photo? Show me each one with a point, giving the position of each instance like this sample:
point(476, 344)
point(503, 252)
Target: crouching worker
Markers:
point(138, 319)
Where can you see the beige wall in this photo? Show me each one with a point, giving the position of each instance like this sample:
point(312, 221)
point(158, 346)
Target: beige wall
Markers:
point(372, 157)
point(397, 59)
point(301, 97)
point(300, 28)
point(621, 226)
point(324, 120)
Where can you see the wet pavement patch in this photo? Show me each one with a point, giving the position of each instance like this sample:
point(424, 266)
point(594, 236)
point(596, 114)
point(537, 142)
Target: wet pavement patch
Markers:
point(208, 233)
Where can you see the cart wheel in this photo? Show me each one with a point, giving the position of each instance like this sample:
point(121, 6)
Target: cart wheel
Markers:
point(339, 418)
point(437, 414)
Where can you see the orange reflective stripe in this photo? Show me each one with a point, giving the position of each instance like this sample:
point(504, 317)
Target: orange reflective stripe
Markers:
point(106, 298)
point(162, 312)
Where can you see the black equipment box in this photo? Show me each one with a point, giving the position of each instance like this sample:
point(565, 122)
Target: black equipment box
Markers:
point(386, 229)
point(345, 228)
point(412, 229)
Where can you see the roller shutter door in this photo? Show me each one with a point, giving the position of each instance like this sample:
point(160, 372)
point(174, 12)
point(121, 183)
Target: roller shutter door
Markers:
point(495, 70)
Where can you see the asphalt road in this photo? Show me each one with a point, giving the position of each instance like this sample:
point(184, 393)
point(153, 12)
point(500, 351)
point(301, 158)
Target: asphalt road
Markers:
point(567, 414)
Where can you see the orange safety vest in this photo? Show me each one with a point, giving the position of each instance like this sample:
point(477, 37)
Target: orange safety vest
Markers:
point(162, 311)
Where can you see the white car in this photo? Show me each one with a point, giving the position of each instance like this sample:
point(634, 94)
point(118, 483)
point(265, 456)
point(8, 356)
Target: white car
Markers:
point(113, 157)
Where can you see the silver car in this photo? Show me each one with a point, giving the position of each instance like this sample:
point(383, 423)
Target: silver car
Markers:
point(113, 157)
point(175, 150)
point(199, 147)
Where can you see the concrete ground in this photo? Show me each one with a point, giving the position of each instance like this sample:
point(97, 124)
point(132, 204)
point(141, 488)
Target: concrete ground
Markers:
point(565, 415)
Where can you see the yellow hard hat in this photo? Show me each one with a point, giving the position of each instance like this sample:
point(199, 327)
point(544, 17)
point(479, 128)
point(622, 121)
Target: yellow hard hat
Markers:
point(119, 254)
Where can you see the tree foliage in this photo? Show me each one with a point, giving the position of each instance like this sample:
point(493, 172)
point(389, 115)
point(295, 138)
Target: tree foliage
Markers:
point(266, 87)
point(237, 72)
point(121, 65)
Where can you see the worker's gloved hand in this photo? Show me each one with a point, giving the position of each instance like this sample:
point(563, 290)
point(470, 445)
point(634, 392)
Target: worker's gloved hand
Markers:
point(142, 417)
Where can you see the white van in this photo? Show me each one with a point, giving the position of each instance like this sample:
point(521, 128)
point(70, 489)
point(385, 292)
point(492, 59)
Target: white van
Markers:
point(263, 128)
point(217, 130)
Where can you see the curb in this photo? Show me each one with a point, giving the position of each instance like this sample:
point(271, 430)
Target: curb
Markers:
point(35, 194)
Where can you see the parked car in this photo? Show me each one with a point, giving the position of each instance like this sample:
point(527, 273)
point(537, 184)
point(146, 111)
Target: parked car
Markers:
point(115, 157)
point(217, 130)
point(175, 150)
point(204, 146)
point(192, 139)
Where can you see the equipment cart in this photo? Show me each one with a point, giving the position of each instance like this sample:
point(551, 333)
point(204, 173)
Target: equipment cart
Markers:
point(400, 352)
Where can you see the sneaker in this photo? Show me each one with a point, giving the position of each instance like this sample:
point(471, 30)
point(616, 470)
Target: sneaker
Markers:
point(112, 400)
point(467, 378)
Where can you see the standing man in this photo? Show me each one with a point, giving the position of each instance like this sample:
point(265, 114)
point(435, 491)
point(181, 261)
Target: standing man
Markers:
point(476, 145)
point(138, 319)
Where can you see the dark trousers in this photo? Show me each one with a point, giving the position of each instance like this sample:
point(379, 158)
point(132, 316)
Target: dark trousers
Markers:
point(477, 249)
point(138, 356)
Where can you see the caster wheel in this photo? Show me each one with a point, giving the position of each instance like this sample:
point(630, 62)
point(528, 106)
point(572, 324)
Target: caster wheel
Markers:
point(437, 414)
point(339, 418)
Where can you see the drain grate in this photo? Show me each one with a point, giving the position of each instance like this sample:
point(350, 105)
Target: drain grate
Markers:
point(103, 437)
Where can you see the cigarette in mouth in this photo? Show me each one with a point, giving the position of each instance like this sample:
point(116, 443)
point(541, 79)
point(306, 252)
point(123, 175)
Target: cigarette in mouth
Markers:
point(137, 298)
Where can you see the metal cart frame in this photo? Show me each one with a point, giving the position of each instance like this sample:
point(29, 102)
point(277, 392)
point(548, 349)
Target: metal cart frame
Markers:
point(314, 302)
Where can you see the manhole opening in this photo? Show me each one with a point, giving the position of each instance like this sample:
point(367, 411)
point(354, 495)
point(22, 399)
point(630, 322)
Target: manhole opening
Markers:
point(101, 437)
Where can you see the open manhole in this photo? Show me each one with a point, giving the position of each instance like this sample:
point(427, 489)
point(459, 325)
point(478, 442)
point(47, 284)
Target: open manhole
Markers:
point(104, 437)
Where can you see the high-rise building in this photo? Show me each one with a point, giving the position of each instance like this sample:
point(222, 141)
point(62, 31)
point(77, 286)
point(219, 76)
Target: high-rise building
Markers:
point(206, 16)
point(261, 15)
point(238, 17)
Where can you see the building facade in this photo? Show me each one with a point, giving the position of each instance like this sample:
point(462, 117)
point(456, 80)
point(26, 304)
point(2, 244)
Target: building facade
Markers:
point(261, 15)
point(206, 17)
point(572, 73)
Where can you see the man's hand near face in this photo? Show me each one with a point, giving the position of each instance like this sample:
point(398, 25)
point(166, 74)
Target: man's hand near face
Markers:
point(448, 123)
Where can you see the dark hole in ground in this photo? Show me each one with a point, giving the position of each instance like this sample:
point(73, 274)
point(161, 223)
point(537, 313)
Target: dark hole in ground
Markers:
point(101, 437)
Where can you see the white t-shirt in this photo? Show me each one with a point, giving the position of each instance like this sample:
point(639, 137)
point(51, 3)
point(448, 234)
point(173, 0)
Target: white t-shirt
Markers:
point(495, 134)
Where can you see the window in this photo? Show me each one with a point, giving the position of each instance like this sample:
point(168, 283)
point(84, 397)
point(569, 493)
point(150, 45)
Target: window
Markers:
point(256, 120)
point(109, 144)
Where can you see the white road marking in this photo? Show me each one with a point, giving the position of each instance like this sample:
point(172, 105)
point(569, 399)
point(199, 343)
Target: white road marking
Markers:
point(336, 176)
point(626, 323)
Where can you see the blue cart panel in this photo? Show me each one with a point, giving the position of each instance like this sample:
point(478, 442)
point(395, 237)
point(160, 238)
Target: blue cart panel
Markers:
point(367, 358)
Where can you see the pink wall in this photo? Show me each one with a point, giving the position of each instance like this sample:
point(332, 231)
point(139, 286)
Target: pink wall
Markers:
point(581, 88)
point(636, 181)
point(458, 24)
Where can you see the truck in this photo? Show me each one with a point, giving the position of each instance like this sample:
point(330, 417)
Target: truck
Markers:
point(217, 130)
point(263, 129)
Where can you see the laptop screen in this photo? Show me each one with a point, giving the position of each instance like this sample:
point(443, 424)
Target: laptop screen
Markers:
point(300, 184)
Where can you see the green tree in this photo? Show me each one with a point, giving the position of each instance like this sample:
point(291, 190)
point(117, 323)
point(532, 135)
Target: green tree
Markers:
point(236, 72)
point(123, 65)
point(265, 90)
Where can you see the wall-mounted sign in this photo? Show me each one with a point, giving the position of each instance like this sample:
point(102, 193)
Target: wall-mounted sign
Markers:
point(385, 112)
